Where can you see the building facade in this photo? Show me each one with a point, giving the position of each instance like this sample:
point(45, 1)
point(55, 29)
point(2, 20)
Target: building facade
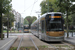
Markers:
point(18, 23)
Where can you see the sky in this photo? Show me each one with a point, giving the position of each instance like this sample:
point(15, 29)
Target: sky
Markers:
point(27, 7)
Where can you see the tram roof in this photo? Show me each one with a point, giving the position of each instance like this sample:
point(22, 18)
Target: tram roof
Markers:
point(51, 13)
point(54, 12)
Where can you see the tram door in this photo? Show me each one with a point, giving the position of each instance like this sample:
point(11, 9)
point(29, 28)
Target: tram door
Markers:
point(43, 29)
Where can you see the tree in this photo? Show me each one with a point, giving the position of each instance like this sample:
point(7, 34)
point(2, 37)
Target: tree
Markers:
point(26, 22)
point(73, 18)
point(70, 21)
point(10, 18)
point(67, 8)
point(1, 33)
point(48, 6)
point(5, 6)
point(34, 18)
point(30, 19)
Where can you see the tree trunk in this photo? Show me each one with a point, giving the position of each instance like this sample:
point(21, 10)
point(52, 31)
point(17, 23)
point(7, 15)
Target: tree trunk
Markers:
point(67, 25)
point(1, 28)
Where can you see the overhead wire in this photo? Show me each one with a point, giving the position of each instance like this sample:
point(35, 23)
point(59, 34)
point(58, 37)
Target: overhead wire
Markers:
point(24, 4)
point(33, 6)
point(30, 6)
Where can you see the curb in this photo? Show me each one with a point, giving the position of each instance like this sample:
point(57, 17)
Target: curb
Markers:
point(8, 45)
point(11, 44)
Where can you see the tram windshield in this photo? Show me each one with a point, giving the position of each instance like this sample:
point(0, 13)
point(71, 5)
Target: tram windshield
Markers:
point(54, 26)
point(26, 27)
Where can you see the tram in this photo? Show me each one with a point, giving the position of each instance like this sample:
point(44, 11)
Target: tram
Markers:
point(49, 27)
point(26, 29)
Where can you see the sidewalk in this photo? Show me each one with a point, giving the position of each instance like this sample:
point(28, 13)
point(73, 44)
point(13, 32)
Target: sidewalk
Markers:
point(70, 40)
point(6, 43)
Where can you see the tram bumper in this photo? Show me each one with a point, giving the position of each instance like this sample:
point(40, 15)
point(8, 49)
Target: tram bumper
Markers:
point(50, 38)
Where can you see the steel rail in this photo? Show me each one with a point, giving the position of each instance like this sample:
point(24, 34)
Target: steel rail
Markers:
point(20, 43)
point(33, 43)
point(53, 47)
point(67, 44)
point(64, 43)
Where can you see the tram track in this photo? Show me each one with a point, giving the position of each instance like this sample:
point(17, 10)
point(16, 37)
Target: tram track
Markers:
point(70, 45)
point(63, 45)
point(34, 43)
point(54, 47)
point(25, 41)
point(20, 43)
point(21, 40)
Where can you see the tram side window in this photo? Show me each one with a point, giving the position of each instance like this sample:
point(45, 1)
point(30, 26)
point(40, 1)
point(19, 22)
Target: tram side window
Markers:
point(42, 26)
point(36, 26)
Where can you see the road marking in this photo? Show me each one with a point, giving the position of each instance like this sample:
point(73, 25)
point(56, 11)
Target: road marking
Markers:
point(6, 44)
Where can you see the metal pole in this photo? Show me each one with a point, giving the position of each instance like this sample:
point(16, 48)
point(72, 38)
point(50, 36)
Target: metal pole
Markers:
point(10, 25)
point(38, 25)
point(8, 28)
point(18, 27)
point(72, 33)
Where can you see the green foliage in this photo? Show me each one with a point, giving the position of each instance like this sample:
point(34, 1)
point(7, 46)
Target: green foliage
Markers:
point(25, 22)
point(66, 5)
point(30, 20)
point(67, 8)
point(43, 46)
point(73, 18)
point(34, 18)
point(45, 4)
point(10, 17)
point(70, 21)
point(6, 4)
point(13, 48)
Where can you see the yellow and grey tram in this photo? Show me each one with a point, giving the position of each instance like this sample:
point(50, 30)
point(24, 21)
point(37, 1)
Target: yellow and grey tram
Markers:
point(49, 27)
point(26, 29)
